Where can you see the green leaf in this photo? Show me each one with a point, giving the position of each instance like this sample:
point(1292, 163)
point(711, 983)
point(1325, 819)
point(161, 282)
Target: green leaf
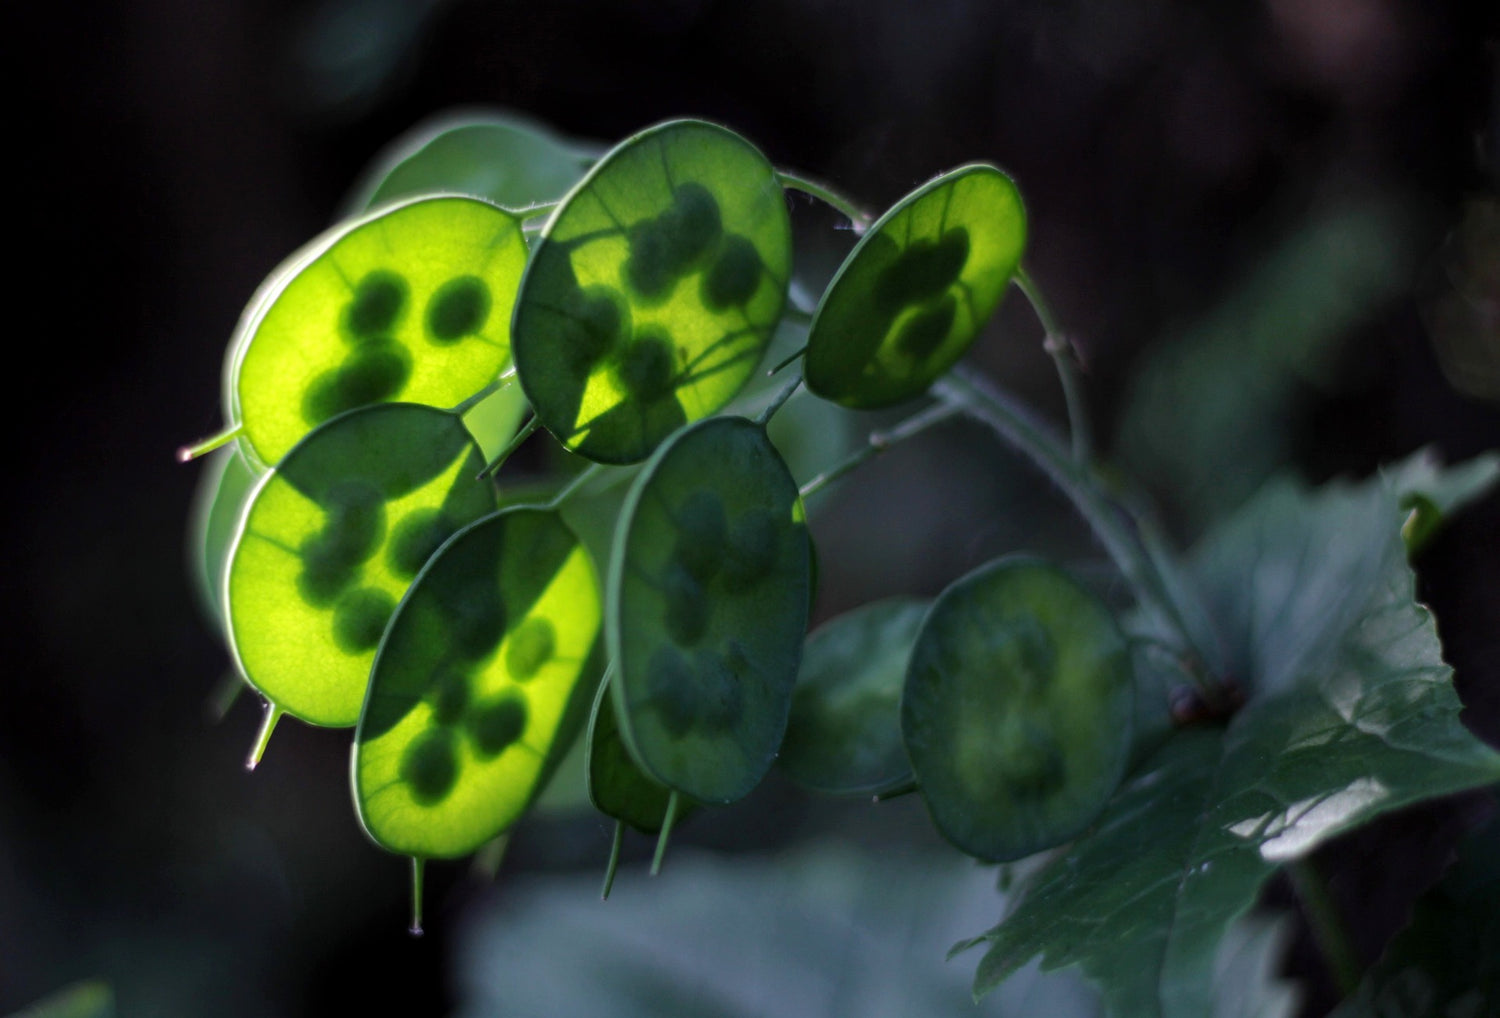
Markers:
point(916, 290)
point(412, 302)
point(479, 687)
point(707, 608)
point(1432, 493)
point(1017, 709)
point(1447, 962)
point(331, 540)
point(1233, 387)
point(844, 733)
point(654, 290)
point(504, 157)
point(223, 488)
point(1353, 714)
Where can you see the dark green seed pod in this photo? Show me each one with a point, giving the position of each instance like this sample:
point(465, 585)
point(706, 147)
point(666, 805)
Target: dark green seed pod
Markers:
point(1017, 709)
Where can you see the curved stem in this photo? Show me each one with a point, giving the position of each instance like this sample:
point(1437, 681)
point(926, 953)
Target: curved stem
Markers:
point(828, 196)
point(1066, 358)
point(1022, 430)
point(879, 441)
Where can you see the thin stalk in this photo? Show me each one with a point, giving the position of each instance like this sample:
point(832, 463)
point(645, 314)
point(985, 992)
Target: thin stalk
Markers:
point(905, 788)
point(1327, 925)
point(205, 446)
point(493, 467)
point(416, 895)
point(666, 832)
point(828, 196)
point(1066, 358)
point(583, 476)
point(1034, 439)
point(614, 860)
point(776, 404)
point(787, 362)
point(267, 726)
point(879, 441)
point(480, 396)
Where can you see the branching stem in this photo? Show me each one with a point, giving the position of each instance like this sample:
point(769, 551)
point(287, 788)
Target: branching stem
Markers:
point(1020, 428)
point(879, 441)
point(1065, 357)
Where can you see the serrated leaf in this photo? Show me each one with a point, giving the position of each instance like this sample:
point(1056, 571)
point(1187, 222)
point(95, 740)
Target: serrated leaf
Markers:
point(1355, 715)
point(1447, 962)
point(1432, 493)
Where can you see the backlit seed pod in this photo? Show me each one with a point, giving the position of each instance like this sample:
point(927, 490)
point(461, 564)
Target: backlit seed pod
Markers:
point(1017, 709)
point(654, 290)
point(915, 291)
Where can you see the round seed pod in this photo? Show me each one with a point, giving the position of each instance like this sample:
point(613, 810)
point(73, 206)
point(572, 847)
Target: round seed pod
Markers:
point(704, 668)
point(653, 290)
point(1017, 709)
point(915, 291)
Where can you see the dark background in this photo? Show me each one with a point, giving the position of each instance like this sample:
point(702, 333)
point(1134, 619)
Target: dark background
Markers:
point(168, 153)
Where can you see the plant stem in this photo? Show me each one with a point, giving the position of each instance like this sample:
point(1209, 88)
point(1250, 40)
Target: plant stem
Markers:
point(614, 860)
point(416, 896)
point(1021, 429)
point(879, 441)
point(828, 196)
point(493, 467)
point(764, 417)
point(666, 832)
point(1066, 360)
point(267, 726)
point(1327, 925)
point(481, 395)
point(786, 362)
point(583, 476)
point(205, 446)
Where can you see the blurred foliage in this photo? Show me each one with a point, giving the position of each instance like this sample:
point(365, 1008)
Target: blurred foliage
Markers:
point(1213, 412)
point(816, 932)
